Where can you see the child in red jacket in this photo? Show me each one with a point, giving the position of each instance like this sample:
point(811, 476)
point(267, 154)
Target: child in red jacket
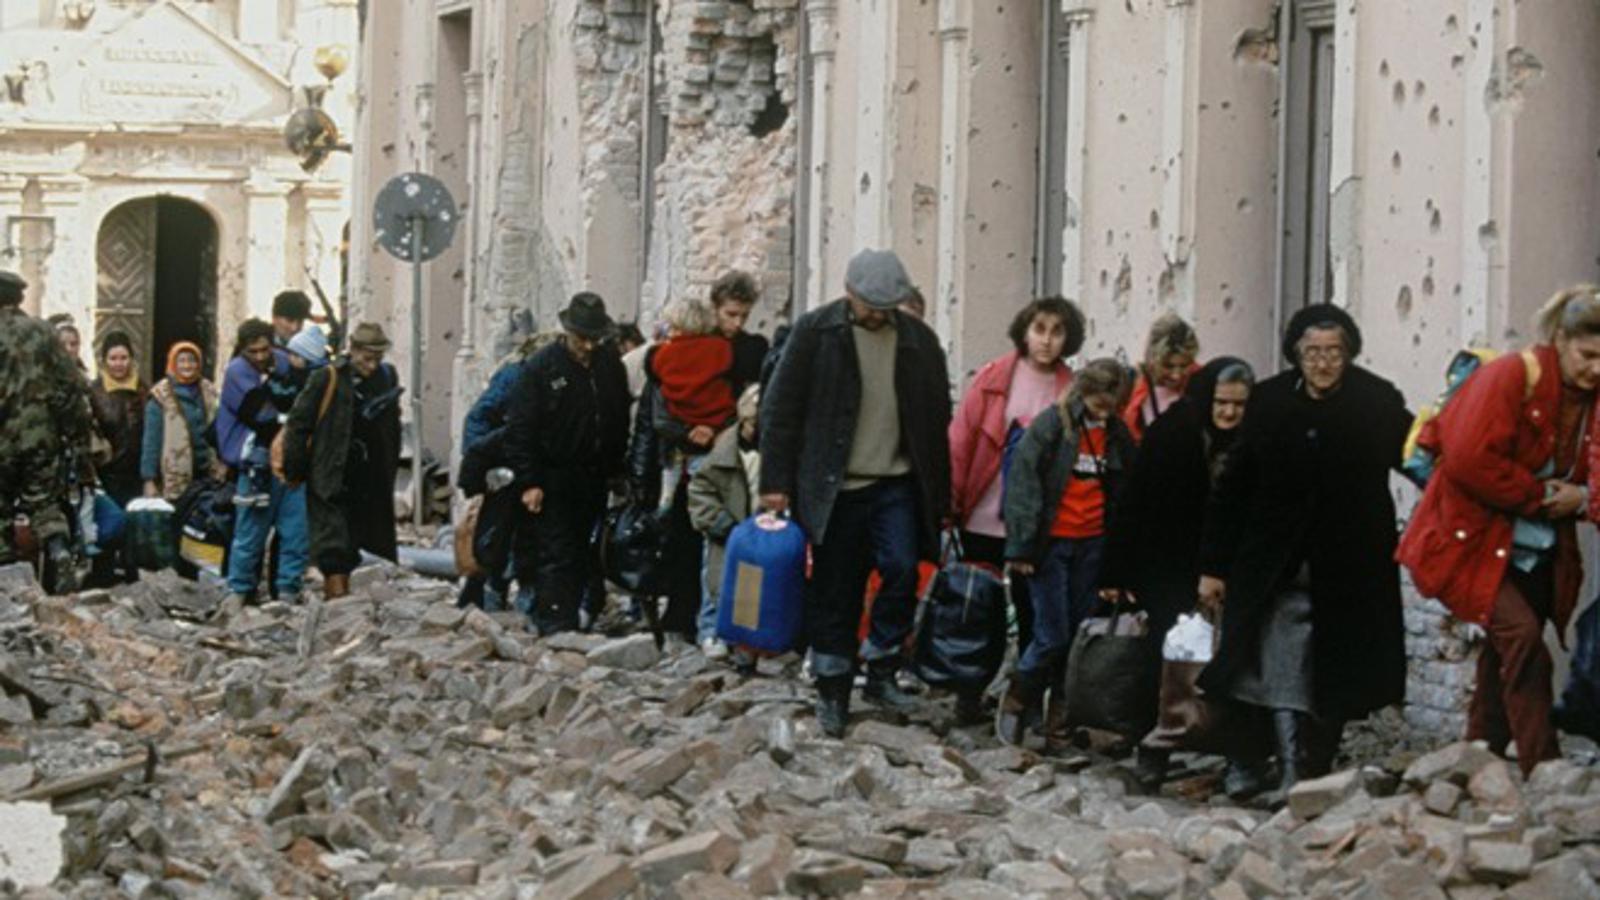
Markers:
point(693, 371)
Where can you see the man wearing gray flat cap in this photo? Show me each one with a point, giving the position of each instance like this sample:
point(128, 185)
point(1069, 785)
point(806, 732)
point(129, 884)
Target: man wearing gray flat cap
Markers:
point(853, 443)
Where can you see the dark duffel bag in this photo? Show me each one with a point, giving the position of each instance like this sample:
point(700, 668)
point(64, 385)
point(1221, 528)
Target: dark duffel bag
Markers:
point(1113, 675)
point(961, 626)
point(1578, 711)
point(151, 534)
point(631, 543)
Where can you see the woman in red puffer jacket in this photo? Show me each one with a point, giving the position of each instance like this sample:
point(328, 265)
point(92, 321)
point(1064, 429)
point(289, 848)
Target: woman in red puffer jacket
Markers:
point(1494, 536)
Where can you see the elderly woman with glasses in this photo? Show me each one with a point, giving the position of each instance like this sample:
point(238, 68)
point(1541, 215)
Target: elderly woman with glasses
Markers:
point(1298, 551)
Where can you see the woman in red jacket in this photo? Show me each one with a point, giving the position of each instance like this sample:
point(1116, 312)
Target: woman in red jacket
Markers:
point(1494, 536)
point(1004, 397)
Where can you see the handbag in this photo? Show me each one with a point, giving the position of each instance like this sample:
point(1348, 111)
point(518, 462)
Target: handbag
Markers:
point(467, 563)
point(1113, 674)
point(1186, 719)
point(960, 635)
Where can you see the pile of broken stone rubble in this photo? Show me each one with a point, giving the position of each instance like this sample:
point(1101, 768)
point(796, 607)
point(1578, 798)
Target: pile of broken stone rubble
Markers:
point(153, 744)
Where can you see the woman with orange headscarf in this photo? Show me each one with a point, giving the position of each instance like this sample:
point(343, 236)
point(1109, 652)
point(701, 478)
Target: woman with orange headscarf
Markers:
point(181, 405)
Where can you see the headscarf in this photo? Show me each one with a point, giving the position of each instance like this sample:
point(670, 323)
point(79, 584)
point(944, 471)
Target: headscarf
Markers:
point(172, 362)
point(1201, 392)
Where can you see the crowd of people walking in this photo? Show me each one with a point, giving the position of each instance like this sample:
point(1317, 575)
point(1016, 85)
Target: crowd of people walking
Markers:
point(1175, 490)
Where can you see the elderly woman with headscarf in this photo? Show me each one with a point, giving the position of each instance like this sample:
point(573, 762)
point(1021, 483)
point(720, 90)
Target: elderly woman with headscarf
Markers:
point(1298, 548)
point(1152, 554)
point(181, 405)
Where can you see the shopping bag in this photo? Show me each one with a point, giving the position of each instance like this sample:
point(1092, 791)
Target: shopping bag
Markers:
point(960, 638)
point(1113, 675)
point(1578, 710)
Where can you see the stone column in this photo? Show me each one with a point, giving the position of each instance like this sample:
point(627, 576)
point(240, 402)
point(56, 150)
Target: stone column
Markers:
point(955, 29)
point(267, 227)
point(67, 275)
point(821, 43)
point(465, 387)
point(1074, 248)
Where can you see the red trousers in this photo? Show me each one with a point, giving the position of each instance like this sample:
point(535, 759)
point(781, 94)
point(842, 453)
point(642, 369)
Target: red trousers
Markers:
point(1514, 693)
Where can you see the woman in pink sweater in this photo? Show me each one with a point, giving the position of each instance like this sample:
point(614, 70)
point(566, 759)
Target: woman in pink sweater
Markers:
point(1005, 395)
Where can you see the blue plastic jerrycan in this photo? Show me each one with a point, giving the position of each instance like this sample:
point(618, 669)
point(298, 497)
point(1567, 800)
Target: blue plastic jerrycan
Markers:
point(762, 604)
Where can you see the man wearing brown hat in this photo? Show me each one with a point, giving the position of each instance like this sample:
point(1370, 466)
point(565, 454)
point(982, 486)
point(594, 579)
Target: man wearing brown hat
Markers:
point(343, 440)
point(566, 434)
point(44, 413)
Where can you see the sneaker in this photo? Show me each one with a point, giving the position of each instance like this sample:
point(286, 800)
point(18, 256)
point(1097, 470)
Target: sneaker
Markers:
point(715, 650)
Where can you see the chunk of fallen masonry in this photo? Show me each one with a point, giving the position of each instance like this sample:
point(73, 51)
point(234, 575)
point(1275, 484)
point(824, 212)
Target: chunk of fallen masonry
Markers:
point(30, 844)
point(634, 653)
point(304, 775)
point(599, 877)
point(645, 773)
point(710, 851)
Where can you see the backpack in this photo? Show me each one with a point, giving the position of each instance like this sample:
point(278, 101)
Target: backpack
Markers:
point(1420, 455)
point(275, 453)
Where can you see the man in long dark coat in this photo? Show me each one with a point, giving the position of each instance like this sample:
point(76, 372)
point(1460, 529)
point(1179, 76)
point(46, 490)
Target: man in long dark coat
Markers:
point(343, 440)
point(1299, 548)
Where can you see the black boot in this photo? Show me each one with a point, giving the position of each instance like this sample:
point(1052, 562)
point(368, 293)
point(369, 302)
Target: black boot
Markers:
point(882, 690)
point(1150, 767)
point(60, 568)
point(969, 707)
point(833, 704)
point(1290, 729)
point(1321, 745)
point(1244, 779)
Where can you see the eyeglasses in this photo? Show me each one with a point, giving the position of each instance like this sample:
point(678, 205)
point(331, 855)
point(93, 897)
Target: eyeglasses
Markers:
point(1322, 354)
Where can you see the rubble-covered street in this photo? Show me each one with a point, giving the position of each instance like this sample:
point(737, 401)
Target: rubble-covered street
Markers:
point(389, 744)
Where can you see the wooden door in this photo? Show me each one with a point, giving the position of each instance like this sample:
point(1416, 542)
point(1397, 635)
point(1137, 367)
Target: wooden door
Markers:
point(125, 265)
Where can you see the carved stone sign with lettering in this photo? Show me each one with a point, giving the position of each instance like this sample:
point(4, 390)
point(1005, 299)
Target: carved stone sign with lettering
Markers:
point(165, 66)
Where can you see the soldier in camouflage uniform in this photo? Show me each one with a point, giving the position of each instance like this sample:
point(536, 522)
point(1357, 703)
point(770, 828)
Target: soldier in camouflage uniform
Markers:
point(44, 423)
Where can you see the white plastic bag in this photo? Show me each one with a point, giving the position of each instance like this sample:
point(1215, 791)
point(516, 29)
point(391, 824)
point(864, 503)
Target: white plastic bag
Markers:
point(153, 504)
point(1190, 640)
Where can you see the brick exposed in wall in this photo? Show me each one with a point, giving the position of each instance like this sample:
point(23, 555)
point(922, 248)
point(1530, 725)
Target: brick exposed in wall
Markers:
point(724, 193)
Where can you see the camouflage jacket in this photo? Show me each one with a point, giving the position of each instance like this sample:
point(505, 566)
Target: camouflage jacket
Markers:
point(44, 404)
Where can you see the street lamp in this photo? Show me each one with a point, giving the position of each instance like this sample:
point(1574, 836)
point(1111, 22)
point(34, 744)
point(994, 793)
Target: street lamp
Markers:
point(311, 134)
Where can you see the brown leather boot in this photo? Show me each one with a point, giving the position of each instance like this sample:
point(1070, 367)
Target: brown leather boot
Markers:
point(335, 586)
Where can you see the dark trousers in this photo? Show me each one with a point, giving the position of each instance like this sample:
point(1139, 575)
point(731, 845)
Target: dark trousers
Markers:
point(684, 553)
point(872, 527)
point(1063, 593)
point(553, 553)
point(981, 548)
point(1513, 696)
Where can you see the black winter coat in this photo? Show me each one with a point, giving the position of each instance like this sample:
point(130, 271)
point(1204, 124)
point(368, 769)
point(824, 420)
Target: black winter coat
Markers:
point(808, 418)
point(1153, 539)
point(568, 424)
point(1039, 474)
point(1307, 481)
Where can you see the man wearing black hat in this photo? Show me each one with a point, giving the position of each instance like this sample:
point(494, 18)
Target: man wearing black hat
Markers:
point(44, 416)
point(565, 439)
point(853, 440)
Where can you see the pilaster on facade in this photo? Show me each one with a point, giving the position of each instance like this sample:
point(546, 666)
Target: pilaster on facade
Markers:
point(1079, 16)
point(821, 48)
point(72, 249)
point(1177, 186)
point(876, 60)
point(955, 121)
point(1483, 268)
point(1347, 202)
point(267, 227)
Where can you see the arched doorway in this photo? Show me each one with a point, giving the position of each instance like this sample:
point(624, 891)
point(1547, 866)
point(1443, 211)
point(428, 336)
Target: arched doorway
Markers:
point(156, 278)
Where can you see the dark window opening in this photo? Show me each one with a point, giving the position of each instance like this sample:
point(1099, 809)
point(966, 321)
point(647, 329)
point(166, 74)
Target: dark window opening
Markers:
point(771, 117)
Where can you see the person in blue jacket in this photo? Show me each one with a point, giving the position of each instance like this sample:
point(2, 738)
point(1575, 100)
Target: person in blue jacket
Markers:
point(247, 421)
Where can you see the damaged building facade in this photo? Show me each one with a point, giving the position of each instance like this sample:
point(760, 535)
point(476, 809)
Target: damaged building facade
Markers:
point(1433, 165)
point(145, 184)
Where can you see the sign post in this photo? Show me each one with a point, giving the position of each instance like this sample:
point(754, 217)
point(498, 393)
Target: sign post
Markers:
point(414, 219)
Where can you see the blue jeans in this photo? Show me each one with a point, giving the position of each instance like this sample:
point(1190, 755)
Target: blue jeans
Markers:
point(251, 527)
point(710, 587)
point(873, 527)
point(1063, 590)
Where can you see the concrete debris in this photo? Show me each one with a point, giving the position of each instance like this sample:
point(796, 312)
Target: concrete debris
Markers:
point(388, 744)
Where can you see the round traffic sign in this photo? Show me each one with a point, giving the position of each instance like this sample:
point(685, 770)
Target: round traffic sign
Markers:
point(409, 202)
